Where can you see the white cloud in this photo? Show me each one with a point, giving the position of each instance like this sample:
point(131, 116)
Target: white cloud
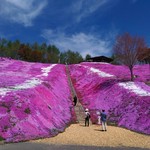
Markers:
point(80, 42)
point(83, 8)
point(21, 11)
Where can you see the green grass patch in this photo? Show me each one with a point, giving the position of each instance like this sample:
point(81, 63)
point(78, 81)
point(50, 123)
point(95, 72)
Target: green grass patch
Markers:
point(1, 139)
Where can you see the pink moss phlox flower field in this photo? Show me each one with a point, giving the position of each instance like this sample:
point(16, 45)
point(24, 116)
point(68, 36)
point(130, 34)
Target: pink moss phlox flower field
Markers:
point(106, 86)
point(35, 100)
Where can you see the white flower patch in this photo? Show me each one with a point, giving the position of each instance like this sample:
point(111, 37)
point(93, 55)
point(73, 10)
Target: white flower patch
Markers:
point(100, 73)
point(134, 88)
point(28, 84)
point(3, 91)
point(47, 70)
point(31, 83)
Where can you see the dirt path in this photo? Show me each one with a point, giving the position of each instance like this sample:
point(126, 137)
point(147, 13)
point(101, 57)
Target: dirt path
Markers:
point(78, 137)
point(77, 134)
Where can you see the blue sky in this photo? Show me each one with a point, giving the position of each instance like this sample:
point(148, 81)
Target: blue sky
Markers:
point(86, 26)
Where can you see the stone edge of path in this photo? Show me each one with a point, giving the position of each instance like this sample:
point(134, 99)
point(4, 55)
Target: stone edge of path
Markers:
point(1, 142)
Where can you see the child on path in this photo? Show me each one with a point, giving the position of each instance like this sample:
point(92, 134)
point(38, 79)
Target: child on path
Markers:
point(98, 117)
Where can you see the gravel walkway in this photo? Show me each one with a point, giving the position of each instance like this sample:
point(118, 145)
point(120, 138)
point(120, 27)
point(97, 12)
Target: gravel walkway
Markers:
point(77, 134)
point(78, 137)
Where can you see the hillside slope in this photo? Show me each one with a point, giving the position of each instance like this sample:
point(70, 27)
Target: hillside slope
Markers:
point(105, 86)
point(35, 100)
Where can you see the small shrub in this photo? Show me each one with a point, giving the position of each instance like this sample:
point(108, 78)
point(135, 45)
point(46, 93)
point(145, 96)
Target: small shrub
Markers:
point(27, 111)
point(1, 139)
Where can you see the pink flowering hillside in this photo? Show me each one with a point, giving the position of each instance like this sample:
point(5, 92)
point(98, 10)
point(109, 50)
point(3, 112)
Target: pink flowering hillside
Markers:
point(35, 100)
point(105, 86)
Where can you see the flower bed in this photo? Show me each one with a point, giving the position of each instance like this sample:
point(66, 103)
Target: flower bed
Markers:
point(105, 86)
point(35, 100)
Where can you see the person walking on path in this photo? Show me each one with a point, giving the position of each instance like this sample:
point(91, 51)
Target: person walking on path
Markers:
point(98, 117)
point(75, 100)
point(87, 117)
point(103, 120)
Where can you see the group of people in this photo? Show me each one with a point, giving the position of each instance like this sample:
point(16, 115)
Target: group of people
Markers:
point(102, 117)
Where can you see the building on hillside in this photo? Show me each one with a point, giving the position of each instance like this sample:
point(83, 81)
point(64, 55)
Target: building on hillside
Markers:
point(100, 59)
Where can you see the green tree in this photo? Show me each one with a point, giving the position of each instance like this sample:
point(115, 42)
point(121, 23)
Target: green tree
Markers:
point(87, 57)
point(43, 46)
point(3, 44)
point(35, 46)
point(53, 54)
point(36, 56)
point(37, 53)
point(70, 57)
point(15, 47)
point(12, 48)
point(24, 52)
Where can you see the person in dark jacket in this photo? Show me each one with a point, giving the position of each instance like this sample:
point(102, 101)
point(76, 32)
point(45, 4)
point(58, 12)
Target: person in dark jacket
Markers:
point(103, 120)
point(75, 100)
point(87, 117)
